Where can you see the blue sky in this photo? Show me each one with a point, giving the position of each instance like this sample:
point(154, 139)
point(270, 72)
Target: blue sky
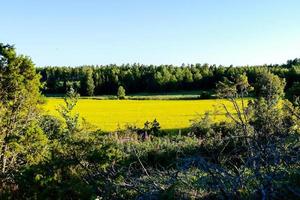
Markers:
point(76, 32)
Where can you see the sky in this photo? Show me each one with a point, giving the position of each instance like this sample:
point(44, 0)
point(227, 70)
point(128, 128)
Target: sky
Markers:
point(84, 32)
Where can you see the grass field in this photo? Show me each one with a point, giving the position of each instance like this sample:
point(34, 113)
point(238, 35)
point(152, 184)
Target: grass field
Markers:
point(110, 115)
point(178, 95)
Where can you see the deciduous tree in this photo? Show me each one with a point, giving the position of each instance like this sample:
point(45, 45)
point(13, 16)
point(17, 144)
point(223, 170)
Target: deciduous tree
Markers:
point(121, 92)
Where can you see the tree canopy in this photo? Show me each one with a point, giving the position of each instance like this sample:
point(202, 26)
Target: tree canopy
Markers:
point(98, 80)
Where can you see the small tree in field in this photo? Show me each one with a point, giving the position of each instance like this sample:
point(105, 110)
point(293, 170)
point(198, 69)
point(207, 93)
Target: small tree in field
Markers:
point(121, 92)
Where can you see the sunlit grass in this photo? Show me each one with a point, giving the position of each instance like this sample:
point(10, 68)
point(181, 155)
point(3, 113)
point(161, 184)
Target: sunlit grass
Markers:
point(110, 115)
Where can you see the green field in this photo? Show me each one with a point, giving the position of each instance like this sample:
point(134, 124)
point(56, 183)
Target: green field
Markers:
point(178, 95)
point(110, 115)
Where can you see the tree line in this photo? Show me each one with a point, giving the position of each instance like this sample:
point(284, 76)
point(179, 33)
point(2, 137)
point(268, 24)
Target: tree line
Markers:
point(135, 78)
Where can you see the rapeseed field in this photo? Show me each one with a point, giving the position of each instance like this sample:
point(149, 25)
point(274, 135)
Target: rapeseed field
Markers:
point(110, 115)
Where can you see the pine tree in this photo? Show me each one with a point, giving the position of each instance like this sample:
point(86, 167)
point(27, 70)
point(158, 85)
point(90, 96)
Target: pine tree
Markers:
point(22, 141)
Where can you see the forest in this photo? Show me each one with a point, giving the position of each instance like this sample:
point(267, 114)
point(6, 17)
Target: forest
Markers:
point(254, 154)
point(136, 78)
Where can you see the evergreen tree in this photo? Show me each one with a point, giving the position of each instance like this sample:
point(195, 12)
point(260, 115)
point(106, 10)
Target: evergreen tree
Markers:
point(22, 141)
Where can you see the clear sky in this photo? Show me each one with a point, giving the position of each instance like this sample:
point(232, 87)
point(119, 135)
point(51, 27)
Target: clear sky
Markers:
point(76, 32)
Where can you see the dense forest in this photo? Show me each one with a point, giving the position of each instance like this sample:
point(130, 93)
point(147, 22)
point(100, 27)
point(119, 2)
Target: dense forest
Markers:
point(252, 155)
point(98, 80)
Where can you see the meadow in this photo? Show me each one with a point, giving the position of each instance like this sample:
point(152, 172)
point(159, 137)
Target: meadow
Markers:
point(110, 115)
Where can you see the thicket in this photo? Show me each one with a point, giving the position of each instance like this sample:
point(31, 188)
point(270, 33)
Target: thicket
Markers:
point(252, 155)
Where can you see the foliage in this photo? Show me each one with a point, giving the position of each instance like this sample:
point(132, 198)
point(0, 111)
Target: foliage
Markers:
point(87, 83)
point(294, 91)
point(138, 78)
point(121, 93)
point(270, 87)
point(22, 142)
point(256, 157)
point(79, 158)
point(152, 128)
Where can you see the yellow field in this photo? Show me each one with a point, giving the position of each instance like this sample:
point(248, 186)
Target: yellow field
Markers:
point(109, 115)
